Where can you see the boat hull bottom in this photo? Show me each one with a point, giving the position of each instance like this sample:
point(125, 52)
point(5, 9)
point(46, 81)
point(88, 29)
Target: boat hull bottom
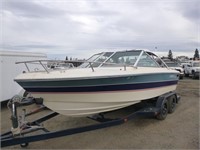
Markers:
point(88, 109)
point(84, 104)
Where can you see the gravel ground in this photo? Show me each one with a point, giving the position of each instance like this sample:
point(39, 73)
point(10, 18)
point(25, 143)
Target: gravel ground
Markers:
point(179, 130)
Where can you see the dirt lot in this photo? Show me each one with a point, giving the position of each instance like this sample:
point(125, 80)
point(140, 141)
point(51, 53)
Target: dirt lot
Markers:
point(179, 130)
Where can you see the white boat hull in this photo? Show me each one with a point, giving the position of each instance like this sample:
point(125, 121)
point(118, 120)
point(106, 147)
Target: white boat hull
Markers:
point(83, 104)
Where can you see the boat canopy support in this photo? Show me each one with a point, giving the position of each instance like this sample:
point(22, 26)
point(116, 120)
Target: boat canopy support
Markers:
point(163, 105)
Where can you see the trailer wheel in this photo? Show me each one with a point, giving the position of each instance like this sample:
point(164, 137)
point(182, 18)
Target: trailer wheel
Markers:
point(171, 104)
point(163, 110)
point(23, 145)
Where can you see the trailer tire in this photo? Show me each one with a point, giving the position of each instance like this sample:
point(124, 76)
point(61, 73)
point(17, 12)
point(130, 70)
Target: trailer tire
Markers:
point(172, 104)
point(163, 110)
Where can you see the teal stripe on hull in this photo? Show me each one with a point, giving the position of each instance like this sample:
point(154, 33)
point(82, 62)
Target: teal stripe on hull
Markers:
point(100, 81)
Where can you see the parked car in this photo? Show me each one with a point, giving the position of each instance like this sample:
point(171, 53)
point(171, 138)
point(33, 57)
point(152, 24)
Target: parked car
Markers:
point(176, 66)
point(192, 69)
point(183, 65)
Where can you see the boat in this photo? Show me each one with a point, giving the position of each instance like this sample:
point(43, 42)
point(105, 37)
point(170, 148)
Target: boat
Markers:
point(105, 82)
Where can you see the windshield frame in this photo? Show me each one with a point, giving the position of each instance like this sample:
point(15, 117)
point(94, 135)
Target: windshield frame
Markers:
point(112, 60)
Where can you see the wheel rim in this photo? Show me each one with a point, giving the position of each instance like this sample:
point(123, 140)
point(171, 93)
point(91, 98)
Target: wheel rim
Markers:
point(173, 104)
point(164, 110)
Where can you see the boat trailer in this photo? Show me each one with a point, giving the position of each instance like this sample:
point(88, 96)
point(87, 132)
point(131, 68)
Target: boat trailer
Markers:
point(163, 105)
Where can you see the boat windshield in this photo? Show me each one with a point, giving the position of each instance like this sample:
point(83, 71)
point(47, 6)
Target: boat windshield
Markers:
point(97, 59)
point(137, 58)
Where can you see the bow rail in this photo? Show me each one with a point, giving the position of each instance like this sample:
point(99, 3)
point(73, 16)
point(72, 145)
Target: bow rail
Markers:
point(48, 65)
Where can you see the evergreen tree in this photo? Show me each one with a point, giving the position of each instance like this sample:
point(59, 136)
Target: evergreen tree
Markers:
point(196, 54)
point(170, 55)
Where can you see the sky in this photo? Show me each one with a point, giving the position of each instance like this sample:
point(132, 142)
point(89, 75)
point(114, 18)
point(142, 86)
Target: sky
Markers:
point(80, 28)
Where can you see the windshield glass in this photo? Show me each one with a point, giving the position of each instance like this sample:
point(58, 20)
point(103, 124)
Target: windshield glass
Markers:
point(124, 57)
point(147, 61)
point(101, 59)
point(121, 58)
point(97, 59)
point(91, 59)
point(130, 58)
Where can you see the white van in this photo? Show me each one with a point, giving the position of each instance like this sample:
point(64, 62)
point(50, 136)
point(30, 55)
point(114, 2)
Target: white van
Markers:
point(9, 70)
